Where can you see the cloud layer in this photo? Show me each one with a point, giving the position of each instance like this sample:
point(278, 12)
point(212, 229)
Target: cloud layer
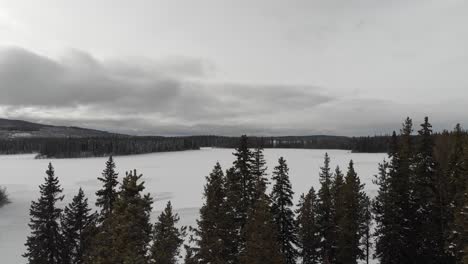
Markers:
point(158, 98)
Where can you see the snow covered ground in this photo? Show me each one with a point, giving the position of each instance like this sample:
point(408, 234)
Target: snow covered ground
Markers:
point(175, 176)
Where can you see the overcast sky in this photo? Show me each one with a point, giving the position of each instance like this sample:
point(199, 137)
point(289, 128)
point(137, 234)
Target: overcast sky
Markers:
point(345, 67)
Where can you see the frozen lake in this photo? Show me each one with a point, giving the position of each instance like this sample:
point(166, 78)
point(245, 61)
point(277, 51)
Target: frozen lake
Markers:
point(178, 176)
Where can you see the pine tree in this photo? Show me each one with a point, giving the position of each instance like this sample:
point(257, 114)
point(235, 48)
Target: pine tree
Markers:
point(325, 214)
point(44, 243)
point(381, 208)
point(131, 229)
point(212, 233)
point(233, 188)
point(353, 224)
point(107, 196)
point(283, 214)
point(77, 224)
point(338, 201)
point(367, 236)
point(3, 197)
point(259, 172)
point(425, 200)
point(261, 243)
point(240, 197)
point(243, 167)
point(457, 174)
point(307, 229)
point(167, 239)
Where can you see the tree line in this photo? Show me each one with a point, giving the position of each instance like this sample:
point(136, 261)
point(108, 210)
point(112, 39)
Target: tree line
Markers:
point(419, 213)
point(76, 147)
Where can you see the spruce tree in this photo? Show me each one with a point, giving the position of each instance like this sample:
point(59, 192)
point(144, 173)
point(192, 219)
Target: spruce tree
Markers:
point(428, 221)
point(243, 168)
point(240, 197)
point(283, 214)
point(457, 174)
point(44, 244)
point(3, 197)
point(107, 196)
point(307, 229)
point(77, 225)
point(367, 236)
point(259, 172)
point(234, 221)
point(353, 224)
point(261, 243)
point(325, 214)
point(167, 238)
point(212, 232)
point(338, 201)
point(131, 229)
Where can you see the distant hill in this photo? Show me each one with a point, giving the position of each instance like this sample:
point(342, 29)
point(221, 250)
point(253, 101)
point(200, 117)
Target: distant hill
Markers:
point(22, 129)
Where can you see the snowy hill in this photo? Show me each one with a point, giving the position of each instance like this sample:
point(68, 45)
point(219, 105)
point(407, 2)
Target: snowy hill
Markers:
point(22, 129)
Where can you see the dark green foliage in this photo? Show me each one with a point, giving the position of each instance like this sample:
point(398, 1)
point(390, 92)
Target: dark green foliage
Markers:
point(307, 228)
point(283, 215)
point(243, 166)
point(352, 225)
point(3, 197)
point(167, 239)
point(77, 225)
point(241, 193)
point(233, 217)
point(325, 214)
point(44, 244)
point(131, 229)
point(426, 203)
point(261, 241)
point(367, 227)
point(107, 196)
point(214, 237)
point(259, 169)
point(456, 212)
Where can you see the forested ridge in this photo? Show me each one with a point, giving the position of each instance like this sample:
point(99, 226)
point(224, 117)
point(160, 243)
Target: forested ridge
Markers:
point(419, 214)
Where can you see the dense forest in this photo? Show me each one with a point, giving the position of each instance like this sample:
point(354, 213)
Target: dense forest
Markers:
point(75, 147)
point(419, 214)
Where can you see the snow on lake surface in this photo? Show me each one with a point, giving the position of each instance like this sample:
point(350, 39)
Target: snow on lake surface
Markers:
point(175, 176)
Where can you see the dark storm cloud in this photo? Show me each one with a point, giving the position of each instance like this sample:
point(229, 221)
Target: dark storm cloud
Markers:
point(160, 97)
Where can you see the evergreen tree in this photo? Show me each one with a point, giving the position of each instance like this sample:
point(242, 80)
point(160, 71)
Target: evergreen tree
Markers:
point(325, 214)
point(243, 167)
point(131, 229)
point(234, 220)
point(3, 197)
point(338, 201)
point(77, 223)
point(307, 229)
point(384, 219)
point(44, 244)
point(456, 213)
point(167, 239)
point(283, 214)
point(212, 233)
point(240, 197)
point(353, 224)
point(259, 172)
point(428, 221)
point(367, 236)
point(107, 196)
point(261, 243)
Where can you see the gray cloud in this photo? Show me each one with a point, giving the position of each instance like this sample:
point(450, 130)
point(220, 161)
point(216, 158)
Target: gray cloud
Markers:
point(164, 99)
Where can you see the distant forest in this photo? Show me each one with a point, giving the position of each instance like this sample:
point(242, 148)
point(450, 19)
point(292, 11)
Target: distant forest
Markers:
point(75, 147)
